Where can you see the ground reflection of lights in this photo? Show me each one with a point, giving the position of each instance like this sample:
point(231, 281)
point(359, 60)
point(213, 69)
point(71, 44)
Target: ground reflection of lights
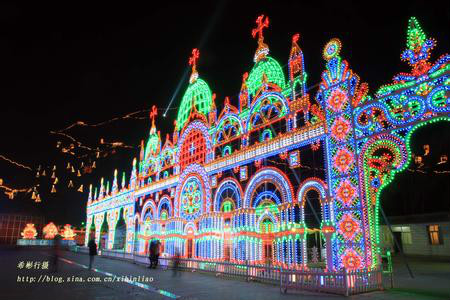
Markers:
point(135, 283)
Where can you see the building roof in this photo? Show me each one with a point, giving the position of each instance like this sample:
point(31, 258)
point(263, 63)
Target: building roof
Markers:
point(418, 219)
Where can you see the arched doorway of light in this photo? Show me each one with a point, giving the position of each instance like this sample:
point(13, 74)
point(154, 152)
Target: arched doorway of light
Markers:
point(190, 247)
point(103, 242)
point(267, 197)
point(146, 232)
point(137, 240)
point(120, 232)
point(91, 230)
point(418, 190)
point(312, 209)
point(267, 226)
point(226, 201)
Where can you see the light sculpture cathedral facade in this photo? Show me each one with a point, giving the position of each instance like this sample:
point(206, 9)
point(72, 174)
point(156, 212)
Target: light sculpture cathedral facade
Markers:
point(235, 185)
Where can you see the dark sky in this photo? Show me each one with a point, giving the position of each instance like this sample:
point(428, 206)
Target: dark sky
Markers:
point(66, 61)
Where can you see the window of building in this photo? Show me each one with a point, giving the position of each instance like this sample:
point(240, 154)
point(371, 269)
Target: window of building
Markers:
point(434, 235)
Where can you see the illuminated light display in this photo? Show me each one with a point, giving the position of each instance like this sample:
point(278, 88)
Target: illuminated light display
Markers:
point(50, 231)
point(68, 233)
point(230, 186)
point(29, 232)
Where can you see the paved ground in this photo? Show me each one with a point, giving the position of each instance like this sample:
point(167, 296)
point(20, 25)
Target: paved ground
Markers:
point(432, 282)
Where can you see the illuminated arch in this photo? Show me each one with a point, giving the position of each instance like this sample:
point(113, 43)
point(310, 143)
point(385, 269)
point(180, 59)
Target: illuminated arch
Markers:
point(136, 220)
point(269, 106)
point(311, 184)
point(190, 225)
point(162, 201)
point(148, 205)
point(274, 176)
point(200, 126)
point(270, 215)
point(228, 184)
point(229, 122)
point(194, 170)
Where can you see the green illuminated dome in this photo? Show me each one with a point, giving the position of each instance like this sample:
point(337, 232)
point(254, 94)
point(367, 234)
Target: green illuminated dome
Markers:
point(152, 145)
point(201, 94)
point(273, 71)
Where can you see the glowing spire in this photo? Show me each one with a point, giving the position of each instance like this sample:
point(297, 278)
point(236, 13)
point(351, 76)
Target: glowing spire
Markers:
point(193, 62)
point(133, 175)
point(123, 180)
point(115, 185)
point(418, 48)
point(90, 193)
point(297, 69)
point(107, 187)
point(102, 189)
point(243, 95)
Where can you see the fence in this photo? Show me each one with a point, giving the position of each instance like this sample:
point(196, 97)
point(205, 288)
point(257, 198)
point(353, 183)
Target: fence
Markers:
point(316, 280)
point(343, 282)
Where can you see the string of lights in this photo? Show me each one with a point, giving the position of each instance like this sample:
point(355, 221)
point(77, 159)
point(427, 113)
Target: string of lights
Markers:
point(15, 163)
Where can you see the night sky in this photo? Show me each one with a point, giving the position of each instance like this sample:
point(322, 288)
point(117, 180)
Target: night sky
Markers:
point(67, 62)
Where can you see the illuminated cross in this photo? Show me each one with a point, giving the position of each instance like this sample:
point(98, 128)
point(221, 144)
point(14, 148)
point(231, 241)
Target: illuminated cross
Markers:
point(153, 114)
point(262, 23)
point(193, 59)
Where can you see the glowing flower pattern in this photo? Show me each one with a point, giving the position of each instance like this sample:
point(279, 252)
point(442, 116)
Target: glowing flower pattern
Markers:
point(351, 260)
point(348, 226)
point(346, 193)
point(343, 160)
point(337, 100)
point(340, 129)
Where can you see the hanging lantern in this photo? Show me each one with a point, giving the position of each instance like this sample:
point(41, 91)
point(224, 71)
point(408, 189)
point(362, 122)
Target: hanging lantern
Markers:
point(33, 196)
point(38, 199)
point(37, 174)
point(53, 175)
point(58, 144)
point(73, 169)
point(98, 154)
point(82, 165)
point(68, 166)
point(56, 180)
point(78, 173)
point(53, 189)
point(93, 165)
point(43, 173)
point(54, 167)
point(70, 184)
point(80, 189)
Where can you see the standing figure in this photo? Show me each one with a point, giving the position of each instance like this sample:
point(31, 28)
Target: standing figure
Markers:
point(92, 252)
point(156, 253)
point(176, 262)
point(56, 251)
point(151, 253)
